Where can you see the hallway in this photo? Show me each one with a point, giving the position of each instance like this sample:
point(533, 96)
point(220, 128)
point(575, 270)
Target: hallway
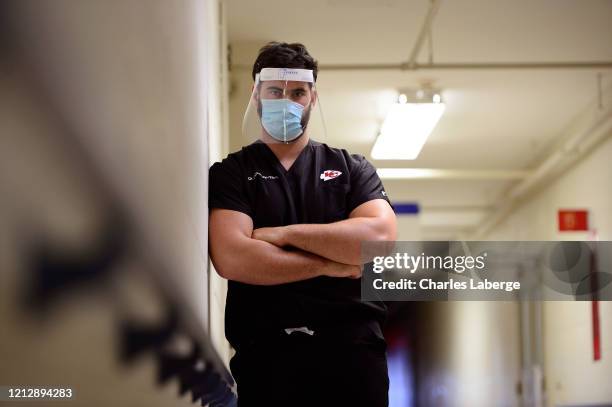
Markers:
point(111, 114)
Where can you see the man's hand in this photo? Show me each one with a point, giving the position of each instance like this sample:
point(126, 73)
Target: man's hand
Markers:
point(273, 235)
point(333, 269)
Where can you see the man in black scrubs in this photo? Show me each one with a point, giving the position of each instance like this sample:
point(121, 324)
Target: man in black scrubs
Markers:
point(288, 215)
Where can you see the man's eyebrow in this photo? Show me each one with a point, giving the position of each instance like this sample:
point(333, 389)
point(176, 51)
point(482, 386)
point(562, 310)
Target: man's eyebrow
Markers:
point(274, 88)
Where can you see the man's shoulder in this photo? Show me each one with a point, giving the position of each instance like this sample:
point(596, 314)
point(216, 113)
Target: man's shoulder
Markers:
point(234, 161)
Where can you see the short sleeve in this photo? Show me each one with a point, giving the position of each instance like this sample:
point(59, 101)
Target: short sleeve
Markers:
point(365, 183)
point(226, 189)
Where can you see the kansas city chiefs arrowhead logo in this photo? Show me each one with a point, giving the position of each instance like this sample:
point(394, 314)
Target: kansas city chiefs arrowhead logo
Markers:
point(330, 174)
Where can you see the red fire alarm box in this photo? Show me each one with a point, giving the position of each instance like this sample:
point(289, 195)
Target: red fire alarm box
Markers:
point(573, 220)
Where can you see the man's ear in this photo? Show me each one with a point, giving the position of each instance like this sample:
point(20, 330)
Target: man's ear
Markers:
point(315, 98)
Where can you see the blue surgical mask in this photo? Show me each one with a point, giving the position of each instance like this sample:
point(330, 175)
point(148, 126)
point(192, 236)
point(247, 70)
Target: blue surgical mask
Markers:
point(282, 118)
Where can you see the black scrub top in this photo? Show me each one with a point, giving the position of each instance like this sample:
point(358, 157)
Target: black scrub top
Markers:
point(323, 185)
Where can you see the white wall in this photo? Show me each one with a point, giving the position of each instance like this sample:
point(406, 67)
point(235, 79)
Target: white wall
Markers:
point(571, 375)
point(218, 149)
point(468, 354)
point(585, 186)
point(241, 86)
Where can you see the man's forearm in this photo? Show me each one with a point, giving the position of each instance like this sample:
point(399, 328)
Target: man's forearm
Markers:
point(338, 241)
point(261, 263)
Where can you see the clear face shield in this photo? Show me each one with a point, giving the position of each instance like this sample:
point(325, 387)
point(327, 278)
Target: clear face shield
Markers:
point(284, 106)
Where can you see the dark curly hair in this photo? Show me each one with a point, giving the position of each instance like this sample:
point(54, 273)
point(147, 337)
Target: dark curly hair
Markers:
point(284, 55)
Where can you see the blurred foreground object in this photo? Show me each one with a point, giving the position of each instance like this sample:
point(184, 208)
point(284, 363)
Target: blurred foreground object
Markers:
point(103, 158)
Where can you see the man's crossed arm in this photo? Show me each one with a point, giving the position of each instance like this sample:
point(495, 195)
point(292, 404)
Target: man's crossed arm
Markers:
point(339, 241)
point(284, 254)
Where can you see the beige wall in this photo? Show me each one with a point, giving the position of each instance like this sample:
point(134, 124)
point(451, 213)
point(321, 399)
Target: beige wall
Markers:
point(243, 55)
point(570, 374)
point(218, 114)
point(476, 355)
point(468, 354)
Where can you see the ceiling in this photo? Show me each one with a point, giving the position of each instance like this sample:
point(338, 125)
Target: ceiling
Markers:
point(496, 119)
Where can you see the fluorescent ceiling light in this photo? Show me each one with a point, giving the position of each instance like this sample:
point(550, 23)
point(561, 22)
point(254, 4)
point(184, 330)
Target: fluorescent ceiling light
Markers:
point(407, 126)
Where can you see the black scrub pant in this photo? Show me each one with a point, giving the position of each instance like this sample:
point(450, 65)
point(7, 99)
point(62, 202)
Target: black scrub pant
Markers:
point(302, 370)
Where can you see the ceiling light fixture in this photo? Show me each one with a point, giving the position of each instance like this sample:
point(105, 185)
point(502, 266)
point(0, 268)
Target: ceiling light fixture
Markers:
point(408, 124)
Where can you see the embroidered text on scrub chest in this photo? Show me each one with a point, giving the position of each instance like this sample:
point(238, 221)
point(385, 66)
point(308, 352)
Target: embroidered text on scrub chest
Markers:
point(259, 174)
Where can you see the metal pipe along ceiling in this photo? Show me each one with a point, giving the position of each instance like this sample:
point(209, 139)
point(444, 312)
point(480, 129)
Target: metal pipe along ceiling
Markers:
point(469, 66)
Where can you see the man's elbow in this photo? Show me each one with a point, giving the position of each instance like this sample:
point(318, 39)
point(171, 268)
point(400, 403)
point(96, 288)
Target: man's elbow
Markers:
point(225, 267)
point(391, 233)
point(384, 236)
point(386, 231)
point(221, 269)
point(387, 236)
